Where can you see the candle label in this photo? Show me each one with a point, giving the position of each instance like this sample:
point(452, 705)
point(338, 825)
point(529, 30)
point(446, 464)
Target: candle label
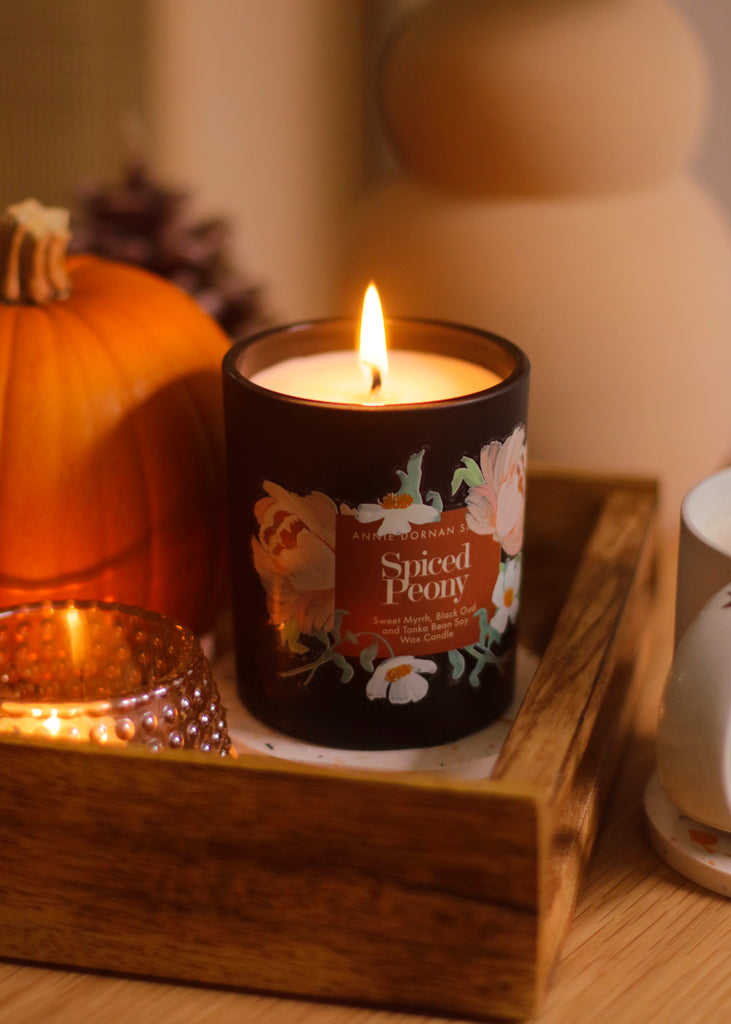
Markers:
point(380, 588)
point(424, 589)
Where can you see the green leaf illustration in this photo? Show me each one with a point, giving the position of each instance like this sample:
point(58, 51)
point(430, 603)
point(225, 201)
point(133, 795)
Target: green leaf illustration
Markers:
point(411, 479)
point(488, 658)
point(484, 623)
point(494, 634)
point(367, 655)
point(456, 660)
point(346, 669)
point(475, 674)
point(469, 474)
point(291, 635)
point(340, 614)
point(435, 500)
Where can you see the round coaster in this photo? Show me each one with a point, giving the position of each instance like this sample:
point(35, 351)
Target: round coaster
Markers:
point(471, 758)
point(701, 853)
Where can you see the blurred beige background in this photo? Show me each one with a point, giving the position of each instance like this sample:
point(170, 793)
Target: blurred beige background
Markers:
point(257, 107)
point(263, 109)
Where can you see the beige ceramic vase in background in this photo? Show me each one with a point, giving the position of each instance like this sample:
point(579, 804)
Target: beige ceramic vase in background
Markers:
point(546, 195)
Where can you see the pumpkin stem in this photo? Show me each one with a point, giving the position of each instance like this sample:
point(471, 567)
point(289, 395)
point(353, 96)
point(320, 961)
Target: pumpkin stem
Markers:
point(33, 241)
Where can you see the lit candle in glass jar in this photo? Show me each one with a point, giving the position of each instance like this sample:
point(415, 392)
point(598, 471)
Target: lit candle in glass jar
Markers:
point(373, 375)
point(376, 509)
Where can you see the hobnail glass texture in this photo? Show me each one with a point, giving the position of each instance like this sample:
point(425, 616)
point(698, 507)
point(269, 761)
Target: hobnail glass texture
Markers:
point(108, 674)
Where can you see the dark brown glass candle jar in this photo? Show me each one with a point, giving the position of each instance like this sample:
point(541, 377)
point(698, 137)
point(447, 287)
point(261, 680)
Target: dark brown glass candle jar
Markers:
point(376, 550)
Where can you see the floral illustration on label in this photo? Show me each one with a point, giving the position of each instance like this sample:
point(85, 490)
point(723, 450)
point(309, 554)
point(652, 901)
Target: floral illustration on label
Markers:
point(399, 513)
point(389, 588)
point(294, 555)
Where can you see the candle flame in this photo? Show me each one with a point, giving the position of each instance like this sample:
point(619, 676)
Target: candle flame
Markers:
point(78, 635)
point(53, 724)
point(373, 353)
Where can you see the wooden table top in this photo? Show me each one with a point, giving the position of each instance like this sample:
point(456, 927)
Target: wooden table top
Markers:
point(645, 945)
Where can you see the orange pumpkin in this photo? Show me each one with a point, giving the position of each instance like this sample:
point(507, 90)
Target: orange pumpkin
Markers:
point(111, 434)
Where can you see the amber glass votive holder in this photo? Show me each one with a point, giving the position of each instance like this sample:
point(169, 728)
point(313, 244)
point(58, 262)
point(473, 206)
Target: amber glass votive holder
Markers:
point(108, 674)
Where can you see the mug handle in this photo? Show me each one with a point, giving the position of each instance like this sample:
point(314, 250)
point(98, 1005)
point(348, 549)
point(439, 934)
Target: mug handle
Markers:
point(694, 726)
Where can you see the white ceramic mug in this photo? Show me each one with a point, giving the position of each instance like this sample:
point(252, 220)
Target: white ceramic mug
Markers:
point(694, 728)
point(704, 555)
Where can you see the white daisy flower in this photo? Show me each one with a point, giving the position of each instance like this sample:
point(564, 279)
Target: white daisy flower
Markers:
point(398, 513)
point(400, 680)
point(505, 595)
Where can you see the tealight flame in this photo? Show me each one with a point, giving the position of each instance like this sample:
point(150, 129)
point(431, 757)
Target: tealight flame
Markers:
point(78, 635)
point(373, 354)
point(53, 724)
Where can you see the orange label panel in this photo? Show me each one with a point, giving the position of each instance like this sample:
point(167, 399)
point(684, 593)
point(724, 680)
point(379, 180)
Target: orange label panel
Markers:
point(419, 591)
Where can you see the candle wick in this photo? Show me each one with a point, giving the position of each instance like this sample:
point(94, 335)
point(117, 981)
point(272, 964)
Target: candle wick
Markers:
point(376, 379)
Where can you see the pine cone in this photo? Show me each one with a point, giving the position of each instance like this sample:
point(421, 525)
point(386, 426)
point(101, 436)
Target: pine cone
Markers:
point(140, 221)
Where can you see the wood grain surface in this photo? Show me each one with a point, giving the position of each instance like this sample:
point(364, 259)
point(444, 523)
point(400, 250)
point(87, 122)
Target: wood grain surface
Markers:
point(396, 889)
point(645, 945)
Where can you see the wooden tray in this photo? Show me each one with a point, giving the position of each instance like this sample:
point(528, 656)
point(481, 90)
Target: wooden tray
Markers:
point(403, 890)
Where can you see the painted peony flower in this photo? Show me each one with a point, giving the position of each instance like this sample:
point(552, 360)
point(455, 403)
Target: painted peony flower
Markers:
point(505, 594)
point(400, 680)
point(497, 506)
point(398, 512)
point(294, 554)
